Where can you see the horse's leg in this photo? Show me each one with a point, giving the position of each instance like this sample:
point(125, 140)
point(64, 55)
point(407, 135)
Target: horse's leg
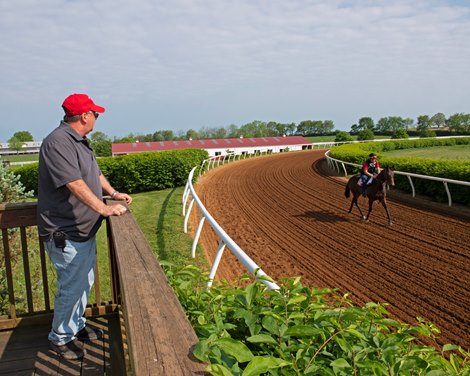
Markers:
point(384, 203)
point(354, 201)
point(371, 201)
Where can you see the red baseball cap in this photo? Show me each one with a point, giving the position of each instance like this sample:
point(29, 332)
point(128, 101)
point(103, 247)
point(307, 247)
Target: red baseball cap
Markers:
point(77, 104)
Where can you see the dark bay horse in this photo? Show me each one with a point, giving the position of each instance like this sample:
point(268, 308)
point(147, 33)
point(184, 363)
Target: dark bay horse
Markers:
point(377, 190)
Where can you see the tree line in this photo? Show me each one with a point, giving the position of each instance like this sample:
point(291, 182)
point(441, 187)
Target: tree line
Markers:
point(364, 129)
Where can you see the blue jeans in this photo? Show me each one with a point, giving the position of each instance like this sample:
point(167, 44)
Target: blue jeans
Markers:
point(75, 267)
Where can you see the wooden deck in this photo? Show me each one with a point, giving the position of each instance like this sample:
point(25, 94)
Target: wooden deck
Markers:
point(140, 314)
point(25, 351)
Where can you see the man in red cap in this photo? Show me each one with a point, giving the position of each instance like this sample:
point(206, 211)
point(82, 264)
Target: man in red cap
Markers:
point(70, 211)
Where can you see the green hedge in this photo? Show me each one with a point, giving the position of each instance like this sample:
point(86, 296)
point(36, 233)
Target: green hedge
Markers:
point(136, 172)
point(454, 169)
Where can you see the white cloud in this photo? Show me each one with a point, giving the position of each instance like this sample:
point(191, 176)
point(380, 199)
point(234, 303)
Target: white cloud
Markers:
point(188, 64)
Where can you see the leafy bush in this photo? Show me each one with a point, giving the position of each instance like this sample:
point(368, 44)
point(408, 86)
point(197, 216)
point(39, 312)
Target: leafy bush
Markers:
point(365, 134)
point(136, 172)
point(427, 133)
point(400, 133)
point(11, 187)
point(342, 136)
point(304, 331)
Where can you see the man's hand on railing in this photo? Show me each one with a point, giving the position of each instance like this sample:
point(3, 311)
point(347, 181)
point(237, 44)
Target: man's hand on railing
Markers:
point(116, 209)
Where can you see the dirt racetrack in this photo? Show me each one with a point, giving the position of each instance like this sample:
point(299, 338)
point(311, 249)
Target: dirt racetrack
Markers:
point(290, 216)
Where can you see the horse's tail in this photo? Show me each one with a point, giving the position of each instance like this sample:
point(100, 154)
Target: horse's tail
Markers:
point(347, 191)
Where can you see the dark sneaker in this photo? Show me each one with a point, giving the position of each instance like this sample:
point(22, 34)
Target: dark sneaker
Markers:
point(71, 350)
point(89, 334)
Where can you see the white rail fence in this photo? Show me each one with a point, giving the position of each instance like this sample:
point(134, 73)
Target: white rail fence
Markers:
point(225, 239)
point(337, 164)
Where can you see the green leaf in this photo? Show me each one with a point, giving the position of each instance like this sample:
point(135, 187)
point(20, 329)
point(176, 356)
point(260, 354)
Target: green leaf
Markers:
point(296, 315)
point(200, 350)
point(356, 333)
point(297, 299)
point(270, 324)
point(262, 338)
point(449, 347)
point(260, 365)
point(340, 363)
point(218, 370)
point(436, 373)
point(234, 348)
point(302, 331)
point(413, 363)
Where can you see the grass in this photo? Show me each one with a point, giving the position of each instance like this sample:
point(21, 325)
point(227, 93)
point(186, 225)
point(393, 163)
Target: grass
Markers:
point(460, 152)
point(20, 157)
point(159, 216)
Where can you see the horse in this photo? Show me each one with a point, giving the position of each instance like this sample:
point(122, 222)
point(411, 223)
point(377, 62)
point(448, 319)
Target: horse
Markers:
point(377, 190)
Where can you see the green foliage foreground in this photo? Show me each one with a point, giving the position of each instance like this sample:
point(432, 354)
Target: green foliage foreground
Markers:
point(304, 331)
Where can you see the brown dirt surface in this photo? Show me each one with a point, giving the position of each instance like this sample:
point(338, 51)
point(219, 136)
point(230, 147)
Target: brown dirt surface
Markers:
point(290, 215)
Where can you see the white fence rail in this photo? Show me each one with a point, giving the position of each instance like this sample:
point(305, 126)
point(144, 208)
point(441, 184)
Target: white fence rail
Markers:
point(225, 239)
point(336, 163)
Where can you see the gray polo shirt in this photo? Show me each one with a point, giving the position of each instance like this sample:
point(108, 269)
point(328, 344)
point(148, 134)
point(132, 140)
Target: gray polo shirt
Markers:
point(65, 156)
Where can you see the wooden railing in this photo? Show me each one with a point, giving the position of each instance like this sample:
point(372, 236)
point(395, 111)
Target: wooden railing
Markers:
point(27, 278)
point(157, 335)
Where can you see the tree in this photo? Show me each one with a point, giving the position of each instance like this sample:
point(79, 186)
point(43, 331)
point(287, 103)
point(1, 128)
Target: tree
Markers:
point(365, 134)
point(438, 120)
point(424, 123)
point(459, 123)
point(191, 134)
point(366, 123)
point(342, 136)
point(219, 132)
point(274, 129)
point(168, 135)
point(391, 124)
point(233, 131)
point(355, 128)
point(101, 144)
point(328, 126)
point(400, 133)
point(290, 129)
point(317, 127)
point(24, 136)
point(15, 144)
point(304, 128)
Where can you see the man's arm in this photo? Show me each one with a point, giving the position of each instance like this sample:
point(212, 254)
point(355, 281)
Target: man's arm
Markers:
point(111, 191)
point(81, 190)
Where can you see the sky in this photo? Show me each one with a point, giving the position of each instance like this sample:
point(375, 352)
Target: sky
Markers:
point(193, 64)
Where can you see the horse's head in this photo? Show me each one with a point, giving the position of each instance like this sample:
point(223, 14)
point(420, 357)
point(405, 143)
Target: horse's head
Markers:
point(390, 175)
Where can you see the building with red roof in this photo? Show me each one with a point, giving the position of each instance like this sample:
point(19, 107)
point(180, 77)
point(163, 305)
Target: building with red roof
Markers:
point(220, 146)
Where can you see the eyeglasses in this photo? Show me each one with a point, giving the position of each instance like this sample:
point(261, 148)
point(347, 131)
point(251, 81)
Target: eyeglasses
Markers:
point(95, 114)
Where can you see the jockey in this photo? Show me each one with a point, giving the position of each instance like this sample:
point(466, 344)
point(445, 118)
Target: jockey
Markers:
point(370, 169)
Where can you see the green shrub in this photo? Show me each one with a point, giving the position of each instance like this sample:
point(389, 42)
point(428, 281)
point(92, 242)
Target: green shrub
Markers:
point(12, 189)
point(342, 136)
point(135, 173)
point(304, 331)
point(400, 133)
point(365, 134)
